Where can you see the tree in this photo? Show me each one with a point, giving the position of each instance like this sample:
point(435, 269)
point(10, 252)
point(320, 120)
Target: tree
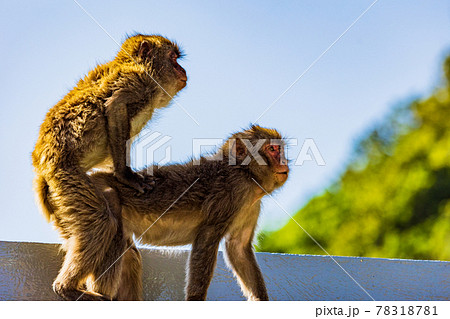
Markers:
point(393, 199)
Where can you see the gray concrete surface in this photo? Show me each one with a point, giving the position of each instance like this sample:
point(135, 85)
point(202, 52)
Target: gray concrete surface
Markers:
point(27, 271)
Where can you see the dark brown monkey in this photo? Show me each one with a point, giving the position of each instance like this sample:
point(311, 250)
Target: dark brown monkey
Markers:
point(198, 203)
point(88, 127)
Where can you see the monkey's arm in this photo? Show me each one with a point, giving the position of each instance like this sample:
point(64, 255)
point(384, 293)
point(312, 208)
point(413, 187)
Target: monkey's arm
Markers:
point(239, 251)
point(202, 262)
point(118, 129)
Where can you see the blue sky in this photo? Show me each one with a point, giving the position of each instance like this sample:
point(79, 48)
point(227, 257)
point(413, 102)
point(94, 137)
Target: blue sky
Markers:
point(240, 57)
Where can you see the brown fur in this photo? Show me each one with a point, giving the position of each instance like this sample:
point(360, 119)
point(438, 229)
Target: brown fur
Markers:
point(223, 201)
point(219, 201)
point(88, 127)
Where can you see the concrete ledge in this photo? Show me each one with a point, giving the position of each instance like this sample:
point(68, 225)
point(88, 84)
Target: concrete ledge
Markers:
point(27, 271)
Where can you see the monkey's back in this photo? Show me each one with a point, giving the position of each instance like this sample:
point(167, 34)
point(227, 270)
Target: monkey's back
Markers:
point(77, 123)
point(180, 185)
point(180, 201)
point(196, 180)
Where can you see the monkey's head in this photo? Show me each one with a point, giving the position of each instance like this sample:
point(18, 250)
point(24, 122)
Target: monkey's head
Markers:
point(159, 57)
point(262, 150)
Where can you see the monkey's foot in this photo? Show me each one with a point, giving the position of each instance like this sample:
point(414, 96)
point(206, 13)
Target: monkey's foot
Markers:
point(79, 295)
point(72, 294)
point(196, 298)
point(92, 296)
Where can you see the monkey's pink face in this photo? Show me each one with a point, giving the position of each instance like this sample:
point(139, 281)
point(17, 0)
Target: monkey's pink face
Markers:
point(179, 70)
point(278, 162)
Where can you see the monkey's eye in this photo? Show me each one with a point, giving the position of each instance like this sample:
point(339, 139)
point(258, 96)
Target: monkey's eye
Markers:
point(271, 148)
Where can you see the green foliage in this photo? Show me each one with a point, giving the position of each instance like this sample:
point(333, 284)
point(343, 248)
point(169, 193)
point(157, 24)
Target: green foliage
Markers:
point(393, 200)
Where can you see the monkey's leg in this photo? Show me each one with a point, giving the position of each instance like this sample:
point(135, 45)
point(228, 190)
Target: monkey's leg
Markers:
point(202, 262)
point(84, 215)
point(69, 284)
point(241, 258)
point(130, 287)
point(245, 267)
point(105, 278)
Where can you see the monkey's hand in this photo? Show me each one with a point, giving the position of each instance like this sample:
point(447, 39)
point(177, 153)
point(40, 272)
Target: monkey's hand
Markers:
point(135, 180)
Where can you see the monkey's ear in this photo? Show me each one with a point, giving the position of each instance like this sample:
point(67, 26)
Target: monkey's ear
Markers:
point(144, 50)
point(239, 150)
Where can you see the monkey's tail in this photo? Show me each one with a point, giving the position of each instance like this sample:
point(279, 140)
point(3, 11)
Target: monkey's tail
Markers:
point(42, 193)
